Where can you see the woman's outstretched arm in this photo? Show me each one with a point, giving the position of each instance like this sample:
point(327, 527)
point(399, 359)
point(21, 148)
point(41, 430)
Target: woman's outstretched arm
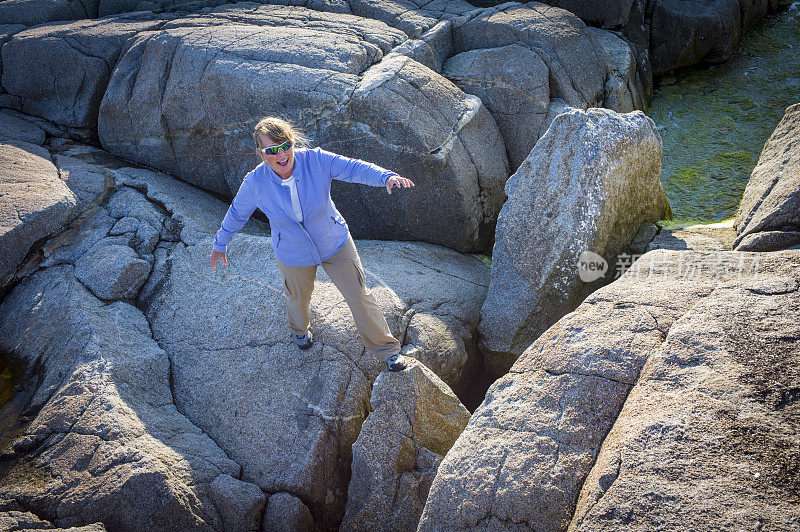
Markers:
point(239, 212)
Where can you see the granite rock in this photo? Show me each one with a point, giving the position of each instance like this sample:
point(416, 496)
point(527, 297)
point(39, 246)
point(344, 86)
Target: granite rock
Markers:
point(591, 181)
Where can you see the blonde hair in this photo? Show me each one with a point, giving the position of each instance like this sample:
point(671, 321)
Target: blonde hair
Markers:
point(279, 130)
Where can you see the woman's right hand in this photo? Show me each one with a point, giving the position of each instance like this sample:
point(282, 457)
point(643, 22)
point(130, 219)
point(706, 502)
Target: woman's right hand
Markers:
point(215, 255)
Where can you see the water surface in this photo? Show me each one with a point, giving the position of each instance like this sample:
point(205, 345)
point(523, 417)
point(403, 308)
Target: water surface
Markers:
point(715, 120)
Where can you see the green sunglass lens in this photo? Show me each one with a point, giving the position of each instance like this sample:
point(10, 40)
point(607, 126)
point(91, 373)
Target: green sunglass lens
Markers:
point(273, 150)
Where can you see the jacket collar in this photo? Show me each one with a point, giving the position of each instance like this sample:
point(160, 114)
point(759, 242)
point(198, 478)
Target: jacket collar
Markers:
point(275, 178)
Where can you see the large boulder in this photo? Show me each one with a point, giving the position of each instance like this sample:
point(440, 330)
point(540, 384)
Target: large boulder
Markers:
point(708, 436)
point(518, 59)
point(528, 449)
point(414, 421)
point(769, 215)
point(34, 201)
point(449, 145)
point(60, 70)
point(684, 32)
point(329, 73)
point(591, 181)
point(577, 67)
point(202, 81)
point(513, 83)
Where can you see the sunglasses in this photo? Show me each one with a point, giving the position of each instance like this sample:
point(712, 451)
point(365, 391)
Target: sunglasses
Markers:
point(273, 150)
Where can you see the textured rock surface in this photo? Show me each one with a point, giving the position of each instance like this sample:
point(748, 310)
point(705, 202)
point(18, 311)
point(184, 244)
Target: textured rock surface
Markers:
point(527, 449)
point(575, 61)
point(684, 32)
point(287, 513)
point(413, 17)
point(31, 12)
point(588, 185)
point(771, 201)
point(14, 127)
point(90, 183)
point(106, 442)
point(308, 65)
point(708, 437)
point(34, 202)
point(288, 419)
point(112, 271)
point(14, 517)
point(513, 83)
point(414, 421)
point(240, 504)
point(60, 70)
point(291, 418)
point(623, 91)
point(711, 237)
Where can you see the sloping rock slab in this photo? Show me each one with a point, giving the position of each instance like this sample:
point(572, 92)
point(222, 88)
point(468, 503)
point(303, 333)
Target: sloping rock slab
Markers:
point(106, 442)
point(771, 200)
point(527, 450)
point(587, 186)
point(291, 417)
point(34, 201)
point(710, 237)
point(60, 70)
point(708, 438)
point(14, 127)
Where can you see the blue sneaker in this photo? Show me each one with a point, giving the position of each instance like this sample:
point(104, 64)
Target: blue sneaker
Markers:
point(396, 362)
point(304, 341)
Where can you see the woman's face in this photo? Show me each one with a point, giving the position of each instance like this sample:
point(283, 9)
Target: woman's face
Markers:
point(281, 163)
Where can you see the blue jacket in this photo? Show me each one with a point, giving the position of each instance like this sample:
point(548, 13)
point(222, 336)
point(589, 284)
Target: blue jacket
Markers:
point(323, 231)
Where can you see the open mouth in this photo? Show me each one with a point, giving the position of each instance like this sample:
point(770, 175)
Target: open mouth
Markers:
point(282, 163)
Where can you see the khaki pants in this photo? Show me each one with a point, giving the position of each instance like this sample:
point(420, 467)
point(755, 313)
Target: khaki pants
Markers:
point(345, 270)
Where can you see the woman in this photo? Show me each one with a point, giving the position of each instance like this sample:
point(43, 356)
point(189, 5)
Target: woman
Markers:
point(292, 187)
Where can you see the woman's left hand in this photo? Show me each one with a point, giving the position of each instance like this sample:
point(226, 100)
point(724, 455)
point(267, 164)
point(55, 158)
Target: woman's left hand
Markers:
point(397, 181)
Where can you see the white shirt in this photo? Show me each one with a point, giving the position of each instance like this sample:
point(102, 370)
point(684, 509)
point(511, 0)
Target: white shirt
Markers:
point(292, 184)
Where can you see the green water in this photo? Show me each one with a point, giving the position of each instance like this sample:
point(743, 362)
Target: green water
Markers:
point(714, 121)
